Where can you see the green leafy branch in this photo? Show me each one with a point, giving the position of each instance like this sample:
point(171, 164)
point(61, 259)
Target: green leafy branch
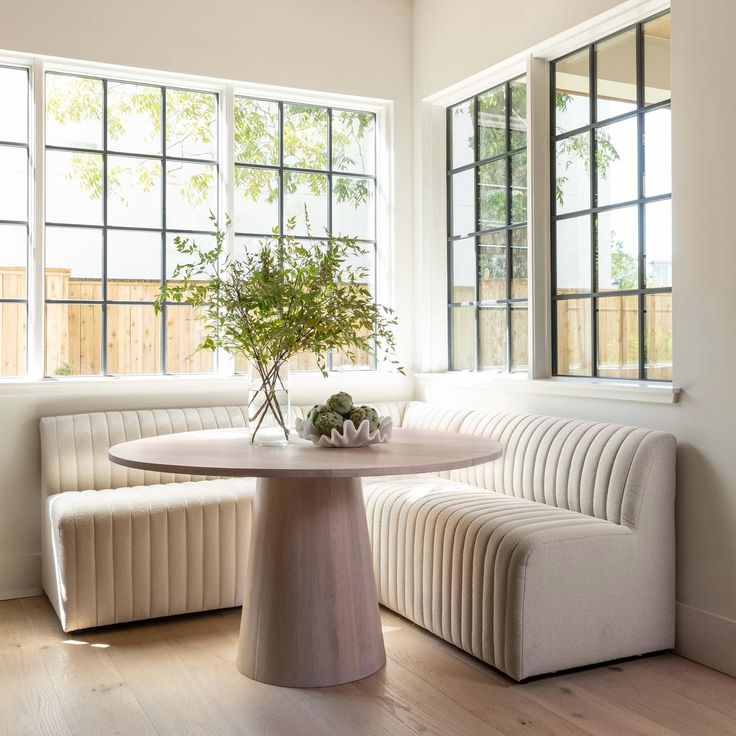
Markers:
point(283, 298)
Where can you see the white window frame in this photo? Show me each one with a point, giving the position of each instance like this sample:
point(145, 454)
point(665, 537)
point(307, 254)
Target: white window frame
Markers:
point(226, 91)
point(431, 297)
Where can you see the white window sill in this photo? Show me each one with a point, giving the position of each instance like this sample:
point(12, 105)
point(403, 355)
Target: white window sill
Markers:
point(299, 381)
point(582, 388)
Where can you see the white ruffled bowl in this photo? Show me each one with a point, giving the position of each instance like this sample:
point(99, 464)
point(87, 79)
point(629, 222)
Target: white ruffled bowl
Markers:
point(351, 436)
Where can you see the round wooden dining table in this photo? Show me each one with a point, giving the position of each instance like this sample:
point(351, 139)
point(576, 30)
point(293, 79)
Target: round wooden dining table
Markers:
point(310, 610)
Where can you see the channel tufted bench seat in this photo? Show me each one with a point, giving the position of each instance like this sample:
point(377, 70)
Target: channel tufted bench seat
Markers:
point(559, 554)
point(120, 544)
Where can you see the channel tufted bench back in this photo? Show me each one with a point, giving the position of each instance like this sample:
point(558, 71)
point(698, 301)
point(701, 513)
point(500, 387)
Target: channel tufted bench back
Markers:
point(597, 469)
point(74, 447)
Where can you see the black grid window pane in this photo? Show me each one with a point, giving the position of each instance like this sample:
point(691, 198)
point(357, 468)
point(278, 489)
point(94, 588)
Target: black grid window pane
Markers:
point(487, 203)
point(291, 158)
point(611, 198)
point(128, 167)
point(14, 226)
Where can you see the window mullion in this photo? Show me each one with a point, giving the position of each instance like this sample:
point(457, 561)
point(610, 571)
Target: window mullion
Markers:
point(541, 193)
point(105, 164)
point(281, 168)
point(641, 301)
point(225, 363)
point(331, 353)
point(593, 217)
point(509, 256)
point(476, 200)
point(448, 227)
point(163, 317)
point(36, 279)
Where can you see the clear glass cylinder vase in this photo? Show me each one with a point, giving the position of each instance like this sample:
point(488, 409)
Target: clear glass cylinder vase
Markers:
point(268, 403)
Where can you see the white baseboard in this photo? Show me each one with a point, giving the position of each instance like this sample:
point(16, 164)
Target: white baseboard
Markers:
point(706, 638)
point(9, 595)
point(20, 576)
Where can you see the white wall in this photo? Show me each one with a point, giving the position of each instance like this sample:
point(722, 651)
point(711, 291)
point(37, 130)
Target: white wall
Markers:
point(335, 46)
point(456, 40)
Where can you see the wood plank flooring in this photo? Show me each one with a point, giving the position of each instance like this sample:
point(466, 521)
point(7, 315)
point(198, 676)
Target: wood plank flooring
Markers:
point(176, 677)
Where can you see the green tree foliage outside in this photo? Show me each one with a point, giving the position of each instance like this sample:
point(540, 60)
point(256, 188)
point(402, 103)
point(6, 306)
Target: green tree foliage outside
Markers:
point(492, 141)
point(305, 147)
point(577, 147)
point(624, 271)
point(191, 125)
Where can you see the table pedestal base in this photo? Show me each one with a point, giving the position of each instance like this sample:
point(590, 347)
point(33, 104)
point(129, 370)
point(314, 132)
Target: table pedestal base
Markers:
point(310, 610)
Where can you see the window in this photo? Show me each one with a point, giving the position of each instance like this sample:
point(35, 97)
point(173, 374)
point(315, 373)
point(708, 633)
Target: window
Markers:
point(487, 230)
point(611, 207)
point(128, 167)
point(14, 219)
point(129, 164)
point(294, 158)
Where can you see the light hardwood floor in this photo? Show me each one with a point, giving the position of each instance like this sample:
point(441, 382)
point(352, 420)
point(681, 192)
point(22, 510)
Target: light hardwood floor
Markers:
point(177, 676)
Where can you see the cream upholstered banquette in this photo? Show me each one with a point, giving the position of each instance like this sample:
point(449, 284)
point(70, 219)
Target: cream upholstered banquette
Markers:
point(121, 544)
point(559, 554)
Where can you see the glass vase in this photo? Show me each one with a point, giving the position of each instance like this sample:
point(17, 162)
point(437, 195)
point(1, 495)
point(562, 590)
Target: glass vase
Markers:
point(268, 403)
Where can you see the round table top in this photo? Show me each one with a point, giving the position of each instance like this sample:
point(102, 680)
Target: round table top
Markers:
point(229, 452)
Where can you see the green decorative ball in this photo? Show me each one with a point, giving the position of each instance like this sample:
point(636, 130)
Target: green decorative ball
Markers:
point(341, 403)
point(372, 415)
point(360, 413)
point(315, 411)
point(327, 421)
point(357, 415)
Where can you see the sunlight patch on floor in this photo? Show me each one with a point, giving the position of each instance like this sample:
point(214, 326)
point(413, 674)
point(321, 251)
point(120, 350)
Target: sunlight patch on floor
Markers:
point(80, 643)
